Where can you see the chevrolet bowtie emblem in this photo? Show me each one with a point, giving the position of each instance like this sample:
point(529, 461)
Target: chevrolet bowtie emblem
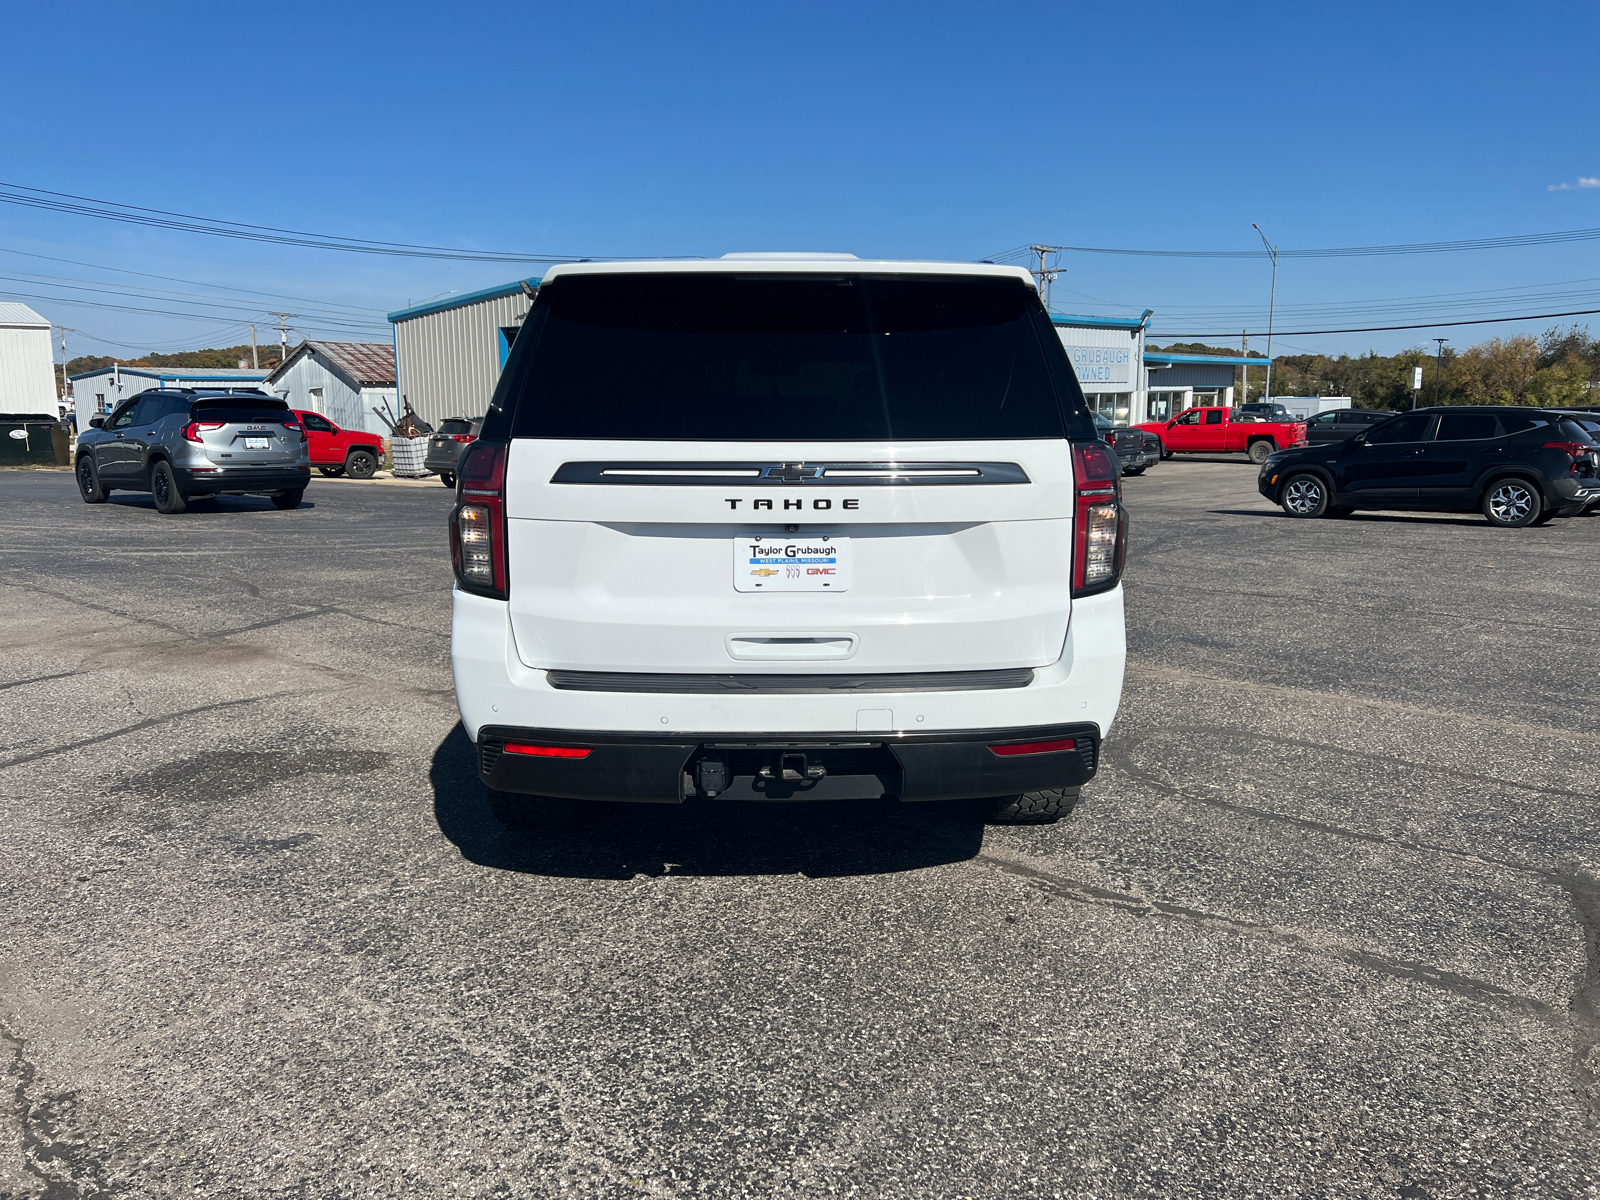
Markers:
point(792, 472)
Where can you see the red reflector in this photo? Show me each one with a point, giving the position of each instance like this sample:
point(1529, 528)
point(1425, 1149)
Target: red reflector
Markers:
point(548, 751)
point(1033, 747)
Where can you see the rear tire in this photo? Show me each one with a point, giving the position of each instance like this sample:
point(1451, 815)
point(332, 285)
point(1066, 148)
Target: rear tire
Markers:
point(360, 464)
point(1262, 449)
point(531, 812)
point(1512, 503)
point(446, 478)
point(288, 500)
point(1033, 808)
point(89, 481)
point(164, 490)
point(332, 472)
point(1304, 495)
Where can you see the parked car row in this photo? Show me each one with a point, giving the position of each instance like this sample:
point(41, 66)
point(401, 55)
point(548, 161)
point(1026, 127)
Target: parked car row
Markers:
point(1214, 430)
point(184, 445)
point(1517, 466)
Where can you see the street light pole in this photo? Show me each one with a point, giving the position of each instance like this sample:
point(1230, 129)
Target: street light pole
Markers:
point(1438, 367)
point(1272, 306)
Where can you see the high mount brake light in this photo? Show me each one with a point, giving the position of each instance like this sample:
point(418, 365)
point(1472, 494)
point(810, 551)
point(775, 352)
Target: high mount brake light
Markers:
point(478, 524)
point(1100, 527)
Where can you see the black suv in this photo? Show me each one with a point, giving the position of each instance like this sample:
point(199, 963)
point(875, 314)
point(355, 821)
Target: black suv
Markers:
point(1518, 466)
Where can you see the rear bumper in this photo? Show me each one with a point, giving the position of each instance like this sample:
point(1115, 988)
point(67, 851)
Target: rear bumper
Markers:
point(236, 481)
point(444, 460)
point(662, 769)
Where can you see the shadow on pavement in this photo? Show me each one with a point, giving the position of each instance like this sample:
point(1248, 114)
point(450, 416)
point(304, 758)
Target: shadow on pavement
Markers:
point(1381, 518)
point(619, 841)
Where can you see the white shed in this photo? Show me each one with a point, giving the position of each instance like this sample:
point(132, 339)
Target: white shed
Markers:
point(344, 381)
point(27, 368)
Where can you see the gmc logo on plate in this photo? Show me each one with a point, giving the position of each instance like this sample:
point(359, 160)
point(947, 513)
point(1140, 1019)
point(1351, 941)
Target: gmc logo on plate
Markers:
point(820, 504)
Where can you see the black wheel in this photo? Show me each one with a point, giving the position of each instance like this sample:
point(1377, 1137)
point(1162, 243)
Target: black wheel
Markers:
point(1261, 449)
point(332, 472)
point(446, 478)
point(164, 489)
point(89, 481)
point(1512, 503)
point(360, 464)
point(1305, 495)
point(531, 812)
point(1165, 453)
point(290, 499)
point(1033, 808)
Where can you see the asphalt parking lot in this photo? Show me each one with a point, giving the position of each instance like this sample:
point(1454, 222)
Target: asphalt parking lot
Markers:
point(1324, 926)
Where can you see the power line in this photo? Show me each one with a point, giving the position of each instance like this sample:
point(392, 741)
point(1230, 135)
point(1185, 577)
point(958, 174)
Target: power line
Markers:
point(1582, 312)
point(112, 210)
point(1490, 243)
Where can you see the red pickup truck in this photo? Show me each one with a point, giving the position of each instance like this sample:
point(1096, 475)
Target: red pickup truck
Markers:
point(1222, 430)
point(336, 451)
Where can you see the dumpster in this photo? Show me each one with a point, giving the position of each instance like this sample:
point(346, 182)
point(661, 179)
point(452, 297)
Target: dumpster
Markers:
point(33, 441)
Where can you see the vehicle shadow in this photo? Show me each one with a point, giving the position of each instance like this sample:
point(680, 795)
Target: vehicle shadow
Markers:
point(217, 504)
point(1369, 518)
point(708, 838)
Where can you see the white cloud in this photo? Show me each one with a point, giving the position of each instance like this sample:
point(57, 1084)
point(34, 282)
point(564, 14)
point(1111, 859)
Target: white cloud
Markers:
point(1584, 181)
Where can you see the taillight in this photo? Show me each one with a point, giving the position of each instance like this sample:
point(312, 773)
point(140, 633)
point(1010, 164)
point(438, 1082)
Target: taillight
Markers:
point(460, 437)
point(297, 428)
point(548, 751)
point(191, 431)
point(1111, 438)
point(1577, 451)
point(478, 524)
point(1100, 531)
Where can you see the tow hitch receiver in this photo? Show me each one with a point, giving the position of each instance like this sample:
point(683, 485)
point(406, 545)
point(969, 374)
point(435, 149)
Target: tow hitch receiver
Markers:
point(792, 768)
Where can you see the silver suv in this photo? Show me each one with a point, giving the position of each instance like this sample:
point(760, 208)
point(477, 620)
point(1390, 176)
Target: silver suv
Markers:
point(183, 445)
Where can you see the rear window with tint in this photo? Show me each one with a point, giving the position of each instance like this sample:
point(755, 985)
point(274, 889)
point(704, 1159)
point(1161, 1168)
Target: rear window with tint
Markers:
point(455, 426)
point(241, 410)
point(1464, 427)
point(790, 357)
point(1515, 422)
point(1575, 430)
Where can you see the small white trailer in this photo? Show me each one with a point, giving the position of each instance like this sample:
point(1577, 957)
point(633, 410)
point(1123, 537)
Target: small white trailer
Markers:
point(27, 369)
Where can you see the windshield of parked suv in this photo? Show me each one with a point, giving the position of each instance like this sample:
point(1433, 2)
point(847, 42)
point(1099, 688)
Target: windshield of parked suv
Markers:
point(719, 357)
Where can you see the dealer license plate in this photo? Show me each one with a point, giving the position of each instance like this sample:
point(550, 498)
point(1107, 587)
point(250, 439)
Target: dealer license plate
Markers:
point(772, 564)
point(257, 443)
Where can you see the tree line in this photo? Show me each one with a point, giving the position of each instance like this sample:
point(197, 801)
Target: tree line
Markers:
point(1559, 367)
point(225, 356)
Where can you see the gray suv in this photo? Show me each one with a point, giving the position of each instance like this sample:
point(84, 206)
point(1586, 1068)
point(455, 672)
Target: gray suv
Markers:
point(192, 445)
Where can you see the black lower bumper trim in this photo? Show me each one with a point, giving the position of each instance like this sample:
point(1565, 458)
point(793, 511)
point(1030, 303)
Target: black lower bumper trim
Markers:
point(660, 769)
point(790, 684)
point(232, 481)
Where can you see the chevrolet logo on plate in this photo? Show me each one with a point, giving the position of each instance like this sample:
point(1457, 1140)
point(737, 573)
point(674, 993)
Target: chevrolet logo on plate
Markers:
point(792, 472)
point(764, 571)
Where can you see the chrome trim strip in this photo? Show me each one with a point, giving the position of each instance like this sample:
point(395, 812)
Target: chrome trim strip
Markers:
point(770, 474)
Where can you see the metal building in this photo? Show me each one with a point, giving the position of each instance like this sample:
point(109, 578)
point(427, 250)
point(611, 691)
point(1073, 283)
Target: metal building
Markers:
point(449, 352)
point(101, 391)
point(344, 381)
point(1108, 357)
point(27, 367)
point(1180, 381)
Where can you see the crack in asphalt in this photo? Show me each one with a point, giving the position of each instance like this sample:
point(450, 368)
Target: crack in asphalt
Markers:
point(39, 679)
point(41, 1137)
point(1145, 906)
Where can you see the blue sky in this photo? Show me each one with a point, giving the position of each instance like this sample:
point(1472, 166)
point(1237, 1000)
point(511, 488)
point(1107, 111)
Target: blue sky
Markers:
point(935, 131)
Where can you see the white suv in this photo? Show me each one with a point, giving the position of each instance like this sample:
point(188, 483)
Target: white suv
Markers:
point(787, 527)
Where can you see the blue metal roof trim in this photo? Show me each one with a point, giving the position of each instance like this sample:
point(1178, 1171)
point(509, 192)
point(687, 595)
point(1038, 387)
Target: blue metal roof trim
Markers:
point(233, 375)
point(1099, 322)
point(449, 302)
point(1203, 359)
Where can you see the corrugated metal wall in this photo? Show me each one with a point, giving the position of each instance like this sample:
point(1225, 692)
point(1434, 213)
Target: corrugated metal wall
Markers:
point(450, 361)
point(345, 406)
point(27, 371)
point(1193, 375)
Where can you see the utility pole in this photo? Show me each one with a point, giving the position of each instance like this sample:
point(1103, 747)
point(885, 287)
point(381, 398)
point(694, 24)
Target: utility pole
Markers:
point(1272, 306)
point(63, 329)
point(283, 335)
point(1438, 367)
point(1044, 274)
point(1244, 372)
point(255, 358)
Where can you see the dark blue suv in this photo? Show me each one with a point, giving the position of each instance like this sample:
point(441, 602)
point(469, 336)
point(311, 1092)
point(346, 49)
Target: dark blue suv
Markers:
point(1517, 466)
